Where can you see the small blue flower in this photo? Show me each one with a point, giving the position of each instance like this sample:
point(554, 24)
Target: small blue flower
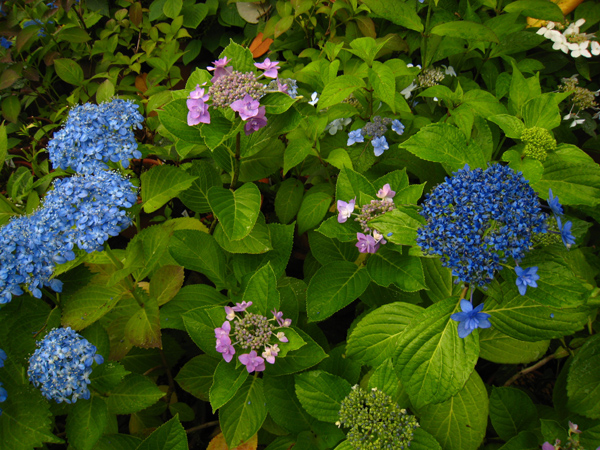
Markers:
point(554, 205)
point(2, 357)
point(3, 395)
point(5, 42)
point(354, 137)
point(565, 232)
point(526, 277)
point(397, 126)
point(380, 145)
point(470, 318)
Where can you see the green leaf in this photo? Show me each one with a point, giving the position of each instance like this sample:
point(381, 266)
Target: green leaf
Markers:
point(117, 441)
point(89, 304)
point(162, 183)
point(105, 91)
point(200, 323)
point(276, 102)
point(196, 196)
point(189, 297)
point(198, 251)
point(483, 103)
point(257, 242)
point(383, 82)
point(86, 422)
point(542, 111)
point(351, 184)
point(527, 320)
point(333, 287)
point(422, 440)
point(433, 361)
point(459, 423)
point(261, 290)
point(169, 436)
point(143, 327)
point(305, 357)
point(243, 416)
point(438, 279)
point(74, 35)
point(241, 57)
point(107, 376)
point(288, 199)
point(136, 392)
point(3, 145)
point(403, 223)
point(500, 348)
point(385, 379)
point(525, 440)
point(165, 283)
point(69, 71)
point(312, 211)
point(193, 15)
point(366, 48)
point(399, 13)
point(540, 9)
point(196, 377)
point(173, 116)
point(283, 404)
point(388, 266)
point(326, 250)
point(583, 382)
point(172, 8)
point(237, 211)
point(464, 29)
point(339, 89)
point(375, 337)
point(344, 232)
point(511, 411)
point(512, 126)
point(321, 394)
point(522, 90)
point(295, 152)
point(444, 143)
point(227, 380)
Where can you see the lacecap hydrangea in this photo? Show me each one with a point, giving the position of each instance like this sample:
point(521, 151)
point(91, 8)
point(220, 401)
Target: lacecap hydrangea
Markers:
point(62, 364)
point(478, 219)
point(81, 211)
point(96, 134)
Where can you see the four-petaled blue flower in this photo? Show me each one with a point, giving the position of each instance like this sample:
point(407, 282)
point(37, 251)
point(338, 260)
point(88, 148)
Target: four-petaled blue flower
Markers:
point(355, 136)
point(397, 126)
point(526, 277)
point(380, 145)
point(470, 318)
point(554, 205)
point(565, 232)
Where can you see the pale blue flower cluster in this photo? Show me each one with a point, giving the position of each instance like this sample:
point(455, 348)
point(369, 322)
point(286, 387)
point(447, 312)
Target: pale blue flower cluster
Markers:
point(62, 364)
point(96, 134)
point(81, 211)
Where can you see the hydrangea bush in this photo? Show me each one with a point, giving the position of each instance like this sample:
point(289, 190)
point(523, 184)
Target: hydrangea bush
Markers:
point(309, 224)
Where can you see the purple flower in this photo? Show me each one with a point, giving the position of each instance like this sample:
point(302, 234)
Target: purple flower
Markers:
point(281, 336)
point(247, 107)
point(386, 193)
point(270, 353)
point(225, 348)
point(366, 243)
point(270, 67)
point(470, 318)
point(220, 68)
point(255, 123)
point(554, 205)
point(380, 145)
point(279, 317)
point(223, 330)
point(230, 313)
point(252, 362)
point(198, 110)
point(547, 446)
point(526, 277)
point(354, 137)
point(379, 237)
point(565, 232)
point(239, 307)
point(345, 209)
point(397, 126)
point(574, 428)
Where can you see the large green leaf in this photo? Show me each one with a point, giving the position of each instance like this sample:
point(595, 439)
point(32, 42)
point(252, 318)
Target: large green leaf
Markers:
point(500, 348)
point(511, 411)
point(288, 199)
point(86, 422)
point(257, 242)
point(69, 71)
point(162, 183)
point(201, 323)
point(237, 211)
point(312, 211)
point(338, 89)
point(305, 357)
point(444, 143)
point(90, 303)
point(136, 392)
point(399, 13)
point(375, 337)
point(196, 196)
point(388, 266)
point(143, 327)
point(196, 377)
point(583, 382)
point(438, 280)
point(433, 362)
point(334, 286)
point(383, 82)
point(464, 29)
point(283, 404)
point(540, 9)
point(173, 116)
point(243, 416)
point(295, 152)
point(227, 380)
point(326, 249)
point(198, 251)
point(321, 394)
point(261, 290)
point(459, 423)
point(351, 184)
point(400, 225)
point(169, 436)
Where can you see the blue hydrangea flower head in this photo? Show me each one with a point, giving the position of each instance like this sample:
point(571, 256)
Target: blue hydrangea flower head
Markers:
point(62, 364)
point(526, 277)
point(96, 134)
point(554, 205)
point(354, 137)
point(470, 318)
point(477, 219)
point(380, 145)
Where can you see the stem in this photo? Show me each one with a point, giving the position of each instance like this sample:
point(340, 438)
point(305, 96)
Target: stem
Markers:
point(424, 37)
point(169, 376)
point(128, 280)
point(54, 297)
point(213, 225)
point(537, 365)
point(201, 427)
point(463, 294)
point(236, 162)
point(13, 207)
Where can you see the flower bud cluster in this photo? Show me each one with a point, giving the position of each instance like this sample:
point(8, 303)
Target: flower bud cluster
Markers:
point(538, 142)
point(3, 393)
point(62, 364)
point(581, 99)
point(429, 77)
point(80, 211)
point(235, 86)
point(96, 134)
point(375, 421)
point(253, 332)
point(477, 219)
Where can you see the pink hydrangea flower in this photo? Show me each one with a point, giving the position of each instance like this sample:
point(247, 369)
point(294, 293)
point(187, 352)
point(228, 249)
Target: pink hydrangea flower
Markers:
point(220, 68)
point(255, 123)
point(270, 353)
point(247, 107)
point(225, 348)
point(197, 108)
point(239, 307)
point(252, 361)
point(386, 193)
point(270, 67)
point(366, 243)
point(345, 210)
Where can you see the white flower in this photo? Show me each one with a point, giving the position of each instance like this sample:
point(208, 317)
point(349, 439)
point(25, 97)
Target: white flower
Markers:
point(449, 71)
point(545, 31)
point(337, 125)
point(313, 99)
point(577, 122)
point(580, 49)
point(412, 65)
point(407, 91)
point(560, 43)
point(595, 48)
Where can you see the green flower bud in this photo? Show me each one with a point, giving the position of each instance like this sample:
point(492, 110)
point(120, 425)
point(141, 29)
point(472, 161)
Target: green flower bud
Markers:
point(538, 142)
